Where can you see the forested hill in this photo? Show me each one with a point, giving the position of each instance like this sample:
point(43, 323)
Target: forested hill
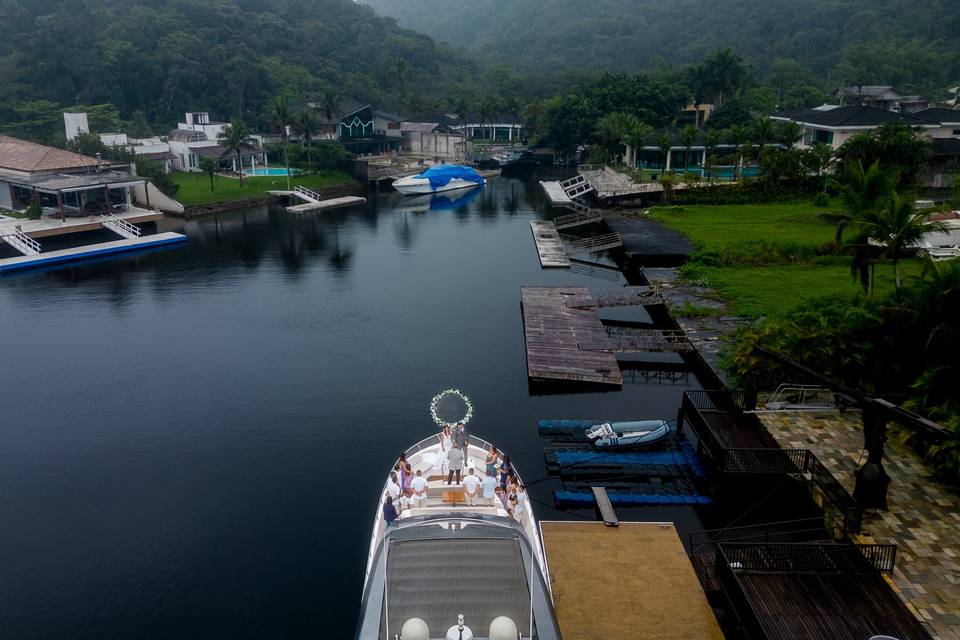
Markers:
point(905, 42)
point(159, 58)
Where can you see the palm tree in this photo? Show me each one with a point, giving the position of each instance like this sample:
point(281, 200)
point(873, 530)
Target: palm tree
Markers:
point(688, 138)
point(400, 73)
point(821, 155)
point(710, 144)
point(727, 72)
point(664, 143)
point(234, 137)
point(513, 106)
point(638, 138)
point(329, 104)
point(460, 109)
point(305, 124)
point(737, 136)
point(280, 116)
point(698, 81)
point(896, 225)
point(790, 133)
point(762, 133)
point(612, 128)
point(209, 167)
point(862, 191)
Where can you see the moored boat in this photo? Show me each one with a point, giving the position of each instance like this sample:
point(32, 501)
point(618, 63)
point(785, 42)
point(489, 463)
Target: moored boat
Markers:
point(614, 436)
point(447, 177)
point(447, 569)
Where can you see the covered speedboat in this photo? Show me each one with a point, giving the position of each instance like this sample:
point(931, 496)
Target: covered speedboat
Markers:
point(614, 436)
point(446, 177)
point(445, 569)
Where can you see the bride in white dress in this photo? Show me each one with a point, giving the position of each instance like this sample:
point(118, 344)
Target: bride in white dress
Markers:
point(446, 443)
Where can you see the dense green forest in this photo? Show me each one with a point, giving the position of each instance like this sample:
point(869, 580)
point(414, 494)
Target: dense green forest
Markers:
point(153, 59)
point(901, 42)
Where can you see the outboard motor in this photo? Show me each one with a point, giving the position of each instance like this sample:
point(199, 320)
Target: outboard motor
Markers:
point(414, 629)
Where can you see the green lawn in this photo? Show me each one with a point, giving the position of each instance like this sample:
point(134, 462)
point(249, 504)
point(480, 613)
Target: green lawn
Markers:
point(775, 290)
point(761, 283)
point(713, 226)
point(195, 187)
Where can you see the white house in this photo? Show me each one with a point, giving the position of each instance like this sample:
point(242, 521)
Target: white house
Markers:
point(435, 141)
point(832, 125)
point(882, 97)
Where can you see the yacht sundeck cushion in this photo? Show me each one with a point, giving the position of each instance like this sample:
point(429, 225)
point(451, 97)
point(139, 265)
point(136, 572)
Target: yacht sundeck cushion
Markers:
point(437, 579)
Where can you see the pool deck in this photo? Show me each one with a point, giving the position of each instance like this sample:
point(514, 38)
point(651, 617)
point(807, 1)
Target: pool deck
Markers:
point(630, 581)
point(923, 519)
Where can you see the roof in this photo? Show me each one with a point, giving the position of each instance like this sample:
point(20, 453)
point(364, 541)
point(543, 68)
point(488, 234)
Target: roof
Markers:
point(482, 578)
point(213, 151)
point(427, 127)
point(187, 135)
point(386, 115)
point(869, 90)
point(22, 155)
point(938, 115)
point(849, 116)
point(75, 182)
point(157, 155)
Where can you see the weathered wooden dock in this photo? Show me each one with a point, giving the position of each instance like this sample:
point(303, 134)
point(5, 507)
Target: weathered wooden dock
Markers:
point(549, 247)
point(629, 581)
point(331, 203)
point(556, 322)
point(97, 250)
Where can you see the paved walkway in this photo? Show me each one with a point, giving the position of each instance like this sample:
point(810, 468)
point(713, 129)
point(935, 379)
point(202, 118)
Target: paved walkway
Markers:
point(923, 517)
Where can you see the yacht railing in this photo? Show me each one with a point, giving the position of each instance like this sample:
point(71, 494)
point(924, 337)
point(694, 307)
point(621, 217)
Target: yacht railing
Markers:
point(528, 523)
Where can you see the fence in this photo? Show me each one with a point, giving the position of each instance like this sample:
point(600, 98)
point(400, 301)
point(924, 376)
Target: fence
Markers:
point(807, 557)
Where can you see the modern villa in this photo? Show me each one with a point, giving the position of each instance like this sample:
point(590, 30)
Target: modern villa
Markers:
point(197, 137)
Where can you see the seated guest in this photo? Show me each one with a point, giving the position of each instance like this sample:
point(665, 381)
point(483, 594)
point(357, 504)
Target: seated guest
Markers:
point(471, 486)
point(514, 511)
point(389, 511)
point(393, 487)
point(502, 498)
point(404, 502)
point(419, 486)
point(454, 463)
point(487, 487)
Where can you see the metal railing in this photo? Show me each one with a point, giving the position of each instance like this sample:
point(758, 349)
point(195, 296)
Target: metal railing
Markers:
point(594, 243)
point(120, 226)
point(579, 218)
point(807, 557)
point(303, 191)
point(630, 297)
point(22, 242)
point(809, 528)
point(800, 397)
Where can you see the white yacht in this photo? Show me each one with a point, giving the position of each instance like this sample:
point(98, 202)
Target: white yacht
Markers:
point(444, 570)
point(447, 177)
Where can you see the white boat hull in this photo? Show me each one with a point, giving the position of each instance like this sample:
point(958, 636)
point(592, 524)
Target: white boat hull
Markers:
point(418, 186)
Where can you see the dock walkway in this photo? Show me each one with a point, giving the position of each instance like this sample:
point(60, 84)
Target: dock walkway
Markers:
point(633, 580)
point(556, 322)
point(89, 251)
point(549, 247)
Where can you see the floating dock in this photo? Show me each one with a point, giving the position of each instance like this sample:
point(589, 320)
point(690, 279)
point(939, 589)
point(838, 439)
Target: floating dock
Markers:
point(555, 192)
point(632, 580)
point(332, 203)
point(549, 247)
point(98, 250)
point(556, 322)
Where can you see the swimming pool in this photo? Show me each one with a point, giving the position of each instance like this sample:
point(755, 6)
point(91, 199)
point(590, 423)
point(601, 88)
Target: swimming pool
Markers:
point(270, 171)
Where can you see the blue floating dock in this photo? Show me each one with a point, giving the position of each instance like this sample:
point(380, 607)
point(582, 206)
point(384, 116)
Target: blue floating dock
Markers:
point(98, 250)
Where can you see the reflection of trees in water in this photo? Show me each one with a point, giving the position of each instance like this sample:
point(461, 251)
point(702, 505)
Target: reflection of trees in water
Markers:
point(487, 205)
point(340, 255)
point(405, 229)
point(512, 200)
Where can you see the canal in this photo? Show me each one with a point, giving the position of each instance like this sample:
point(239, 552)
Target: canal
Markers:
point(193, 440)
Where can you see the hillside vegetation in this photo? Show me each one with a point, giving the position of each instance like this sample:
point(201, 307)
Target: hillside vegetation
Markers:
point(154, 60)
point(884, 41)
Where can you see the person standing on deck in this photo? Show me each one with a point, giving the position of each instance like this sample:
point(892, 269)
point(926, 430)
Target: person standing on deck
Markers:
point(488, 487)
point(471, 485)
point(455, 463)
point(419, 486)
point(393, 487)
point(446, 443)
point(389, 511)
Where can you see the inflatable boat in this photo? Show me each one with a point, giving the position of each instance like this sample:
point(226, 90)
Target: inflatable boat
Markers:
point(612, 436)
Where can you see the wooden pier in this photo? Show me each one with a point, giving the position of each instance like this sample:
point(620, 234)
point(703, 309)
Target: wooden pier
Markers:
point(549, 247)
point(629, 581)
point(332, 203)
point(556, 322)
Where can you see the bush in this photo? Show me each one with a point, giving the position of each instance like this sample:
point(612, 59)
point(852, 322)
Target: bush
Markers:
point(34, 211)
point(752, 191)
point(822, 199)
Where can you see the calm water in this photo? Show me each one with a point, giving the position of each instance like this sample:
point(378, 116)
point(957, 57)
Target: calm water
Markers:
point(192, 441)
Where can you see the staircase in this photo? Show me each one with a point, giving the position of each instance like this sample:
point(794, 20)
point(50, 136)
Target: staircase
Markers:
point(22, 242)
point(120, 226)
point(582, 215)
point(307, 194)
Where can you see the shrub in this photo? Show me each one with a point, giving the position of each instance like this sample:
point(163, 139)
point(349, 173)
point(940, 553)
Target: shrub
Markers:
point(34, 211)
point(822, 199)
